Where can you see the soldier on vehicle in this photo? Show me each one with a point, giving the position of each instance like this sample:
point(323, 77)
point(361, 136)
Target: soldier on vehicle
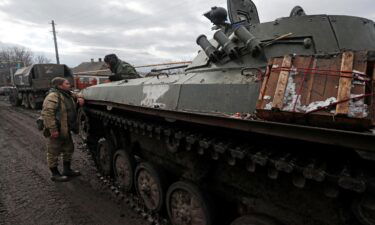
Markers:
point(121, 69)
point(60, 118)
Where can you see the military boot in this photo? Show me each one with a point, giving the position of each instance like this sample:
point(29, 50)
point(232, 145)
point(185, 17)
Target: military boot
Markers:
point(56, 176)
point(69, 172)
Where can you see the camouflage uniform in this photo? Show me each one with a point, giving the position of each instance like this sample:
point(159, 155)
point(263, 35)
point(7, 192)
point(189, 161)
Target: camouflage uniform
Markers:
point(63, 120)
point(123, 70)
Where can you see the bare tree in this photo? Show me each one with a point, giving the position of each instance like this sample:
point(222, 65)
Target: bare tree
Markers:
point(41, 59)
point(12, 58)
point(20, 57)
point(15, 56)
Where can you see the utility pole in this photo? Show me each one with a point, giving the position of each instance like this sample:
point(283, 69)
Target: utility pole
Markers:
point(11, 76)
point(54, 39)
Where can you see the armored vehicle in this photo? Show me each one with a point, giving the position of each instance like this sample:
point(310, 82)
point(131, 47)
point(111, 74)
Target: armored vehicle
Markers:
point(32, 82)
point(270, 124)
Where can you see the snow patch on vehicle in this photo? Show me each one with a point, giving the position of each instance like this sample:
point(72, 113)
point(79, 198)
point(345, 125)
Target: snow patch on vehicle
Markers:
point(268, 106)
point(292, 101)
point(320, 104)
point(357, 107)
point(267, 97)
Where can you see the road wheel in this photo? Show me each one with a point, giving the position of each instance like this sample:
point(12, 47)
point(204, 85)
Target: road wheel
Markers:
point(123, 169)
point(13, 98)
point(83, 124)
point(25, 100)
point(186, 205)
point(32, 102)
point(364, 209)
point(149, 183)
point(254, 220)
point(104, 156)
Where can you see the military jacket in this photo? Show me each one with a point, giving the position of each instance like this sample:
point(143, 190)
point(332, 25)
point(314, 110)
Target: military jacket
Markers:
point(123, 70)
point(54, 118)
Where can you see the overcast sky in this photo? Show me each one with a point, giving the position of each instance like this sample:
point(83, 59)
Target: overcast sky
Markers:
point(139, 31)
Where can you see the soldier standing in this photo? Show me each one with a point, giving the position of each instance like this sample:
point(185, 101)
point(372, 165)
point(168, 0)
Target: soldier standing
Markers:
point(60, 118)
point(121, 69)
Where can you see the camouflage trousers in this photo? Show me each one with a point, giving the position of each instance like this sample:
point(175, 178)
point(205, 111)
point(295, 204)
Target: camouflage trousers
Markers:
point(59, 146)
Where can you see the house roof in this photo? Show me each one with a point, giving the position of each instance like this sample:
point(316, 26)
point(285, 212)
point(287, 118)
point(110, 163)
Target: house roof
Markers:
point(92, 68)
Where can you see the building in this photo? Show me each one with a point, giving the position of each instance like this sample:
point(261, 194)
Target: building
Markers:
point(90, 73)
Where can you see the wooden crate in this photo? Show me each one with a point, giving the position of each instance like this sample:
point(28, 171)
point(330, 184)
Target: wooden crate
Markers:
point(330, 91)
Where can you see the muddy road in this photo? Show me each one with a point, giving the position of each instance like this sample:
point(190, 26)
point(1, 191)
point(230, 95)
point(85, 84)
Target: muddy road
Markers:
point(27, 196)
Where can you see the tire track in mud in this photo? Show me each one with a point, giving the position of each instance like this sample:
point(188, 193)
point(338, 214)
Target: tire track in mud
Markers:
point(27, 196)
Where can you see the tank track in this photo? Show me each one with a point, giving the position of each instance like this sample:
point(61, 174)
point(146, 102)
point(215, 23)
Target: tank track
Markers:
point(130, 199)
point(346, 177)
